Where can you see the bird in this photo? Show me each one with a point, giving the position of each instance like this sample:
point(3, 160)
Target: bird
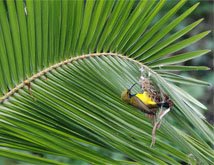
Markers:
point(142, 101)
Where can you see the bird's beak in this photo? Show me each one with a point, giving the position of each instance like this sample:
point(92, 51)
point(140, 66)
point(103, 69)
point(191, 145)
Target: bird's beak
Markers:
point(132, 87)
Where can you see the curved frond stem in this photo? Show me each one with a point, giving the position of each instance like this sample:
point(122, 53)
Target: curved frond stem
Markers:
point(65, 62)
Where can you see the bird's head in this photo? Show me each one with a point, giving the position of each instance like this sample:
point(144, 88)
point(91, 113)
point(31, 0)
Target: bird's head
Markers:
point(125, 96)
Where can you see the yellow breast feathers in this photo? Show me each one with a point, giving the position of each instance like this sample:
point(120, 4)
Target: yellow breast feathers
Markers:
point(144, 97)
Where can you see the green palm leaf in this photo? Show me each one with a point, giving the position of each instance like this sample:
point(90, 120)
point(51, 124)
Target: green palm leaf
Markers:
point(61, 84)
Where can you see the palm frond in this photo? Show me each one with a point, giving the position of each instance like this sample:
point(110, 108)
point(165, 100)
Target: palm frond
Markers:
point(61, 83)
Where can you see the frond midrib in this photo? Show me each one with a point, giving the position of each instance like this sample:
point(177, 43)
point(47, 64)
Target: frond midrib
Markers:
point(60, 64)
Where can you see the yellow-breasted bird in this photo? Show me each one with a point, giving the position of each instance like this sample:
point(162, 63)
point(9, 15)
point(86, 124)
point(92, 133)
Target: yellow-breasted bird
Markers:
point(142, 101)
